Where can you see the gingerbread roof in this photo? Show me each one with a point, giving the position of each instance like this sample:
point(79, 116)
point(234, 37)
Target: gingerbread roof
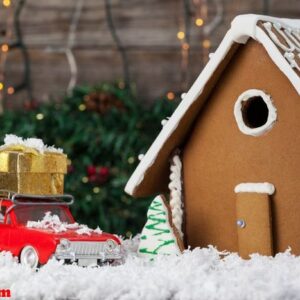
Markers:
point(281, 40)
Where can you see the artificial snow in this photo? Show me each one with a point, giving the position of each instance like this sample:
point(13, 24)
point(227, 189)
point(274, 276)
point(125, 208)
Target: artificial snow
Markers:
point(37, 144)
point(52, 222)
point(199, 274)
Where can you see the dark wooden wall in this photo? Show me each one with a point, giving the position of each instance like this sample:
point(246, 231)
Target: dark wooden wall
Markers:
point(147, 29)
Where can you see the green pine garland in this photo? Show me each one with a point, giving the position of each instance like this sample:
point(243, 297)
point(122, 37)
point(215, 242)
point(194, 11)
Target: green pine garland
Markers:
point(109, 143)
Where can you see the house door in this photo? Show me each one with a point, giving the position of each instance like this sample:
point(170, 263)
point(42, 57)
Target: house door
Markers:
point(254, 218)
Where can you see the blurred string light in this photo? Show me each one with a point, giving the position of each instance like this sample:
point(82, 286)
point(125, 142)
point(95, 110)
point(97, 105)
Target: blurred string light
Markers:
point(10, 90)
point(96, 190)
point(199, 22)
point(200, 14)
point(131, 160)
point(170, 96)
point(208, 25)
point(118, 42)
point(7, 44)
point(6, 3)
point(185, 24)
point(206, 44)
point(85, 179)
point(40, 116)
point(82, 107)
point(68, 48)
point(9, 22)
point(180, 35)
point(4, 48)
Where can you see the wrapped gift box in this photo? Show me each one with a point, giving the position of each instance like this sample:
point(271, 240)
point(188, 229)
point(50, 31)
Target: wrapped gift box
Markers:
point(27, 171)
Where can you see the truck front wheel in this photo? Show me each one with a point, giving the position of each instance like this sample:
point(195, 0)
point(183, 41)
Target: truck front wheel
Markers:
point(29, 257)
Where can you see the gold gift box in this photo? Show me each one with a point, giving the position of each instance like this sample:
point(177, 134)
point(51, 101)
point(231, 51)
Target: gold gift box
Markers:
point(27, 171)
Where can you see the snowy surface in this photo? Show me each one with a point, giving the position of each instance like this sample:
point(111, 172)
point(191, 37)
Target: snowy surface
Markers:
point(52, 222)
point(37, 144)
point(197, 274)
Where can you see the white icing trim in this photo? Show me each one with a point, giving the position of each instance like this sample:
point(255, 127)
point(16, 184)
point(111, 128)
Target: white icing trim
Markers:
point(194, 92)
point(291, 35)
point(242, 27)
point(141, 156)
point(268, 26)
point(262, 188)
point(175, 187)
point(239, 116)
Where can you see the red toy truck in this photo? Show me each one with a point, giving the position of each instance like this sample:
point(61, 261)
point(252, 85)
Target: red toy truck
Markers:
point(37, 228)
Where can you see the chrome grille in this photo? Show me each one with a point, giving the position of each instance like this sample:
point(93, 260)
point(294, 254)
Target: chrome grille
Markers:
point(87, 248)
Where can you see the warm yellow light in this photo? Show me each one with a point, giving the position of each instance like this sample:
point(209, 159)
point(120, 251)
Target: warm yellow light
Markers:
point(199, 22)
point(96, 190)
point(185, 46)
point(10, 90)
point(84, 179)
point(6, 3)
point(39, 116)
point(180, 35)
point(170, 96)
point(82, 107)
point(131, 160)
point(1, 86)
point(206, 44)
point(121, 85)
point(4, 48)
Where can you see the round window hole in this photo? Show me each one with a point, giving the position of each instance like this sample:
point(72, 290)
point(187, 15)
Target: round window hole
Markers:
point(255, 112)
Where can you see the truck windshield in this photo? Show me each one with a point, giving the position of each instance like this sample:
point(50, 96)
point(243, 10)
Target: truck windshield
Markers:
point(37, 213)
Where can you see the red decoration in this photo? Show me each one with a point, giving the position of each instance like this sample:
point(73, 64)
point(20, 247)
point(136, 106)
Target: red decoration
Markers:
point(98, 175)
point(91, 170)
point(103, 174)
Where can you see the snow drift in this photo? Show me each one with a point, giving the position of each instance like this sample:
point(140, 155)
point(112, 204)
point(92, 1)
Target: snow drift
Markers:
point(198, 274)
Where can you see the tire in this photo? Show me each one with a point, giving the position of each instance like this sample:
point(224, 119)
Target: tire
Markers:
point(29, 257)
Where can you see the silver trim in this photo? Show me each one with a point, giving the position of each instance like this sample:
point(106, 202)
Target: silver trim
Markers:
point(88, 250)
point(13, 196)
point(15, 202)
point(70, 199)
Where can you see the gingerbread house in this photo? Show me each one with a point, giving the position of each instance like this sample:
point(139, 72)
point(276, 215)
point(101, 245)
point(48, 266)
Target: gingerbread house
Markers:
point(235, 182)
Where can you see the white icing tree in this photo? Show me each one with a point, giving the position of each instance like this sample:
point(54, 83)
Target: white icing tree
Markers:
point(158, 236)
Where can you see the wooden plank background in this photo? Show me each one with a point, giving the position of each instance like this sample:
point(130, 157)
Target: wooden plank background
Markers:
point(146, 28)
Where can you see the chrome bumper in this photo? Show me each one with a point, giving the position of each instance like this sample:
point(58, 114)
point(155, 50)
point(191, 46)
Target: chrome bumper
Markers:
point(93, 251)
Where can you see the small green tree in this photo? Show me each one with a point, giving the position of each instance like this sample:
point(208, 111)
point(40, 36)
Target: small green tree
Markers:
point(158, 236)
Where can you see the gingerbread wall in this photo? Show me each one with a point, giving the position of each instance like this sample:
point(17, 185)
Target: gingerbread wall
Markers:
point(217, 156)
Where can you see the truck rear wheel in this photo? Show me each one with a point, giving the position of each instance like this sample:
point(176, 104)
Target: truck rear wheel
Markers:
point(29, 257)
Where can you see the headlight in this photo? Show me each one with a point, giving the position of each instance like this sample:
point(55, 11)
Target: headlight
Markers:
point(110, 245)
point(64, 244)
